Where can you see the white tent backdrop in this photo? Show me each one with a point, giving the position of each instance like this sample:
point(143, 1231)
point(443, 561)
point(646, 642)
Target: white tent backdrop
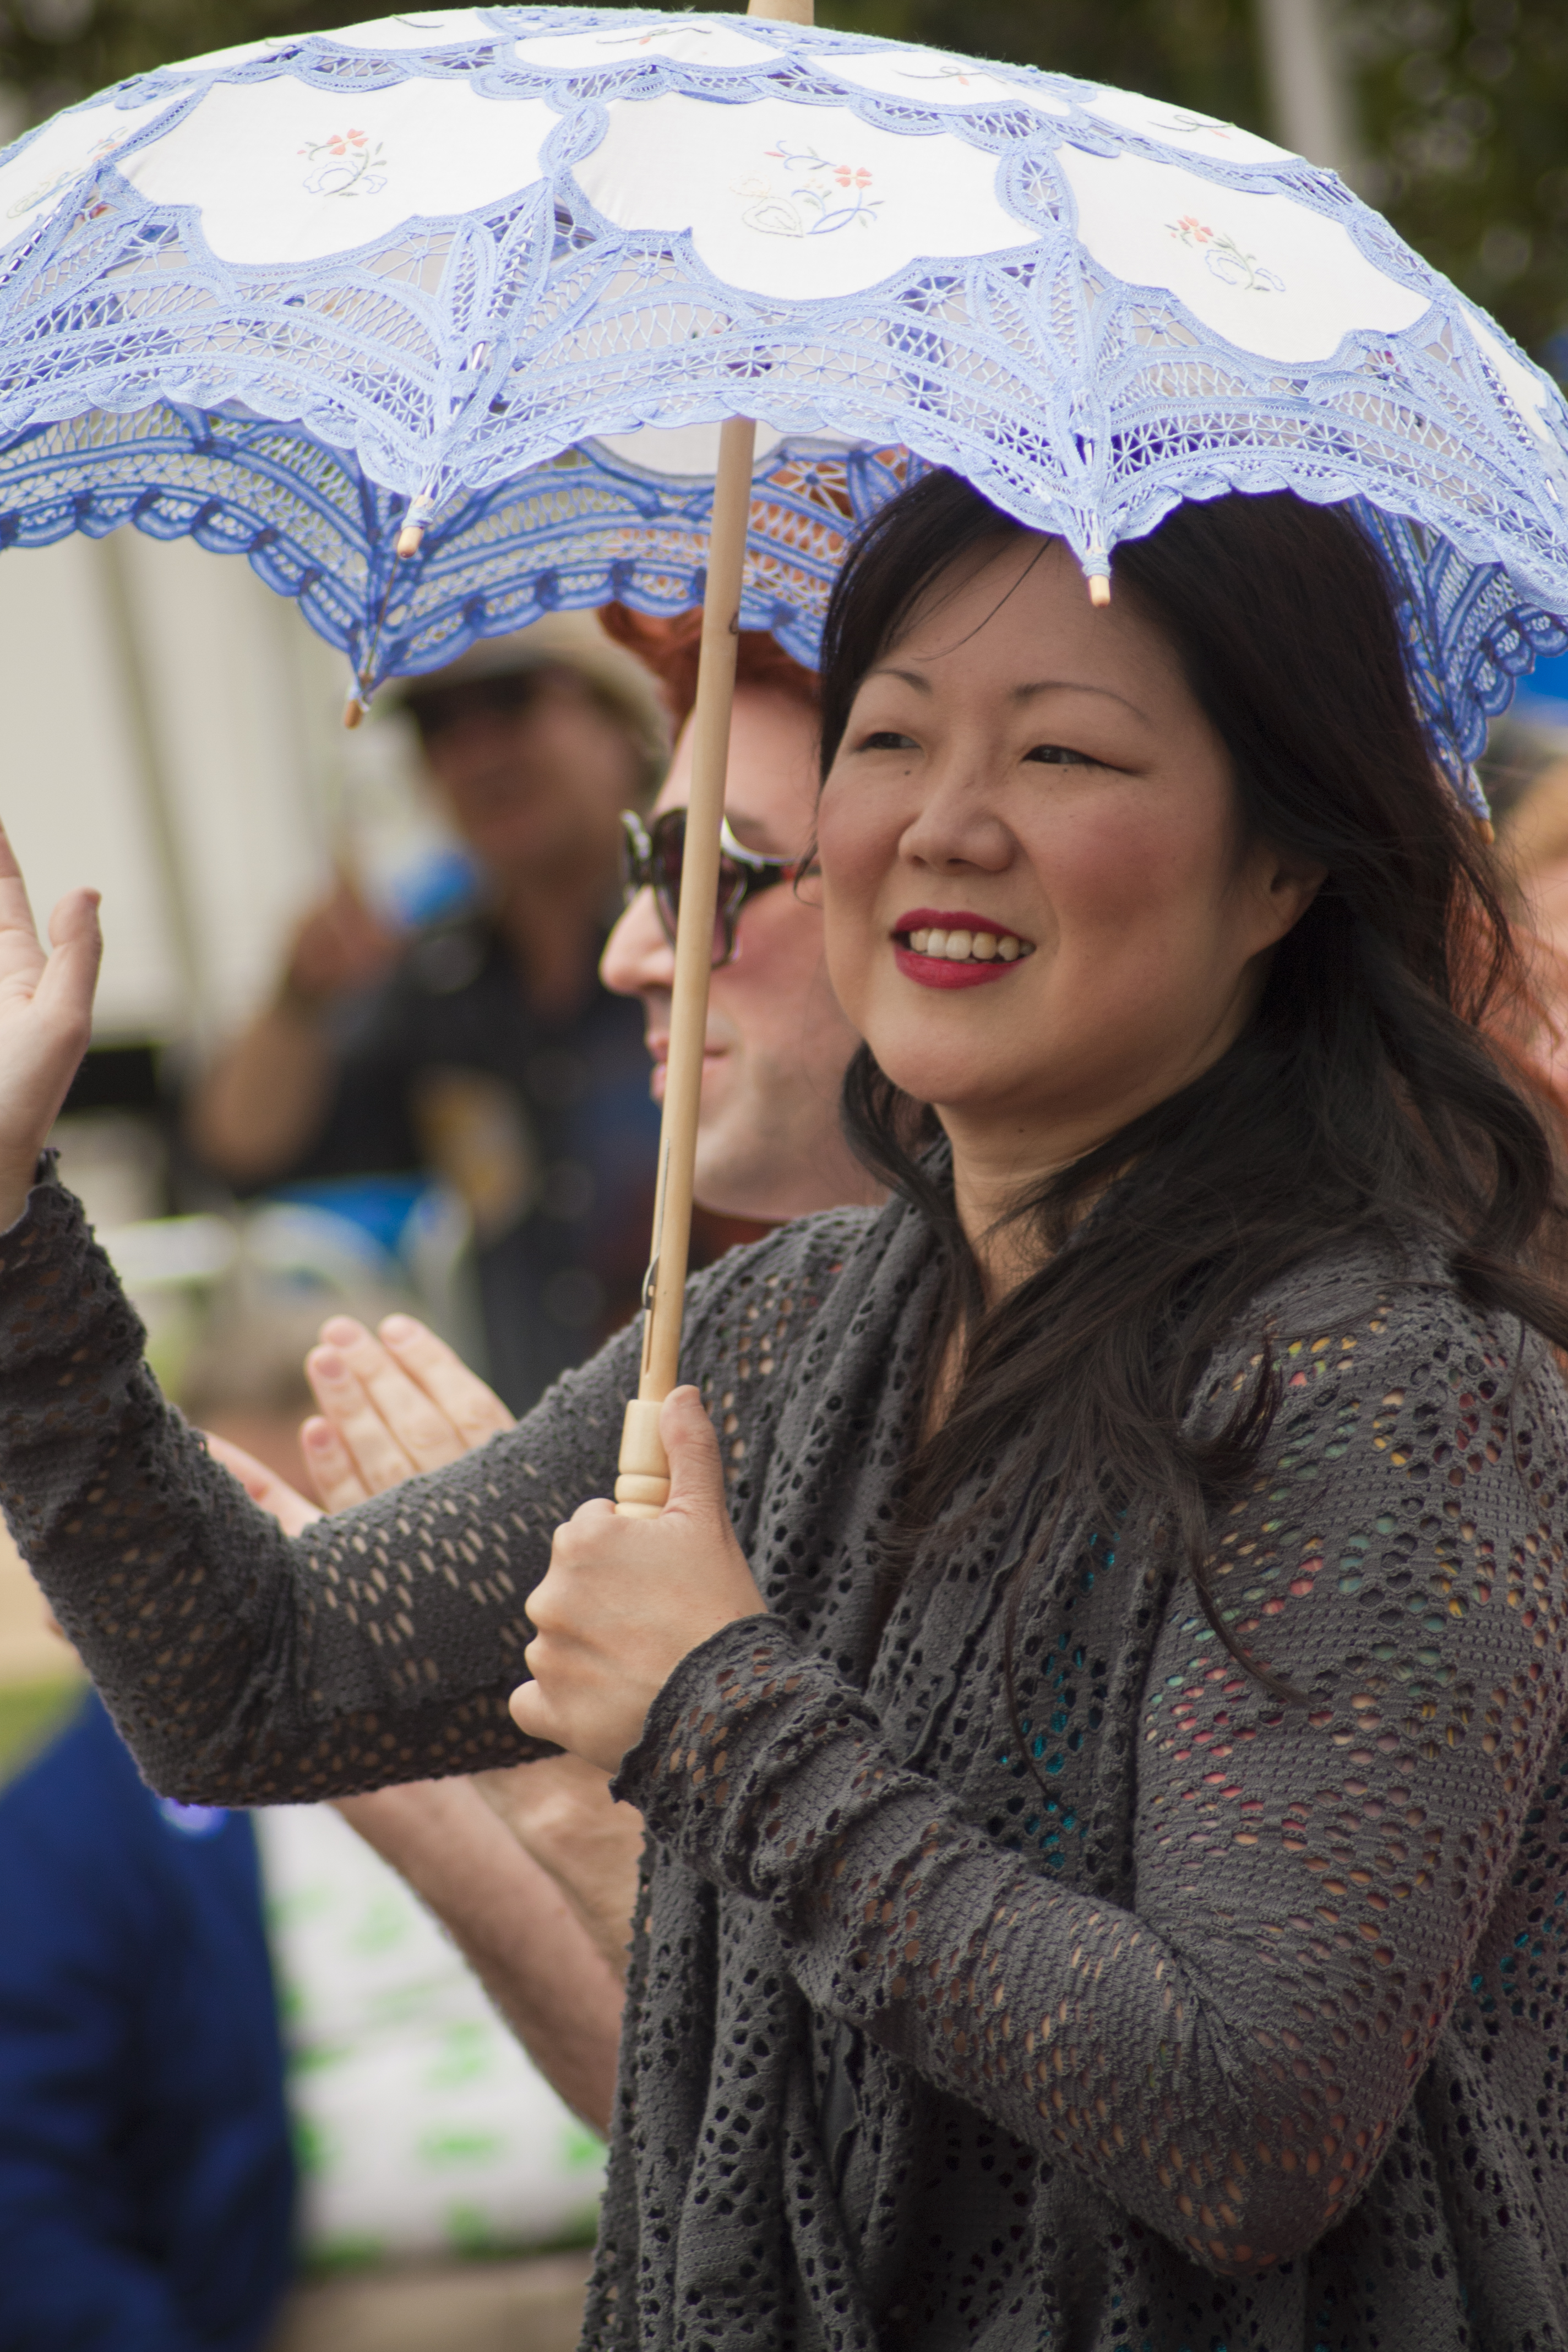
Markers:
point(171, 734)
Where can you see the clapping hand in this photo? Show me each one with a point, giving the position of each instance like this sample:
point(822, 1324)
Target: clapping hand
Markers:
point(393, 1402)
point(45, 1022)
point(391, 1407)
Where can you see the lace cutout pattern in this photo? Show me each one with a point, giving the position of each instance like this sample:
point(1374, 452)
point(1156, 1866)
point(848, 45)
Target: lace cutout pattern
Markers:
point(1205, 1965)
point(465, 262)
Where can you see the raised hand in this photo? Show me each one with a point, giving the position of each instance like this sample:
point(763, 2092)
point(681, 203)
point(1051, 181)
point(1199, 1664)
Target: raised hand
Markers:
point(393, 1402)
point(338, 947)
point(45, 1022)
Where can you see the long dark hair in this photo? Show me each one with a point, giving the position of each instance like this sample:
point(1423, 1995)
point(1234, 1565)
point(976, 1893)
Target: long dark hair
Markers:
point(1372, 1091)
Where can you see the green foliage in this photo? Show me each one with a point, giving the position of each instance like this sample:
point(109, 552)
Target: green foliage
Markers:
point(1461, 105)
point(1464, 111)
point(30, 1713)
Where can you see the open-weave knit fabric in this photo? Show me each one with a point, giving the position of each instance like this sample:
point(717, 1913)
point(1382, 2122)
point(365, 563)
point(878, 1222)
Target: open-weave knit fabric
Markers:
point(1148, 2012)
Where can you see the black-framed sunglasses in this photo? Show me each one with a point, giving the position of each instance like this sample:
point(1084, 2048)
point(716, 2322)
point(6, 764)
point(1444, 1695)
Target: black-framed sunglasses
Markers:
point(651, 859)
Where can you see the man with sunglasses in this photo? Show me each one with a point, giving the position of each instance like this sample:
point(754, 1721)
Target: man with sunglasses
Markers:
point(484, 1049)
point(769, 1147)
point(768, 1140)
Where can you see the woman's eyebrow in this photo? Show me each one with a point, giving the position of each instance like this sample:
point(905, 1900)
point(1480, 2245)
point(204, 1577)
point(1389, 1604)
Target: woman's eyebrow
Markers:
point(1074, 685)
point(1017, 693)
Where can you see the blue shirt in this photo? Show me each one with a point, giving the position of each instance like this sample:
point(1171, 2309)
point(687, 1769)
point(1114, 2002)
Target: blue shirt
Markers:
point(146, 2184)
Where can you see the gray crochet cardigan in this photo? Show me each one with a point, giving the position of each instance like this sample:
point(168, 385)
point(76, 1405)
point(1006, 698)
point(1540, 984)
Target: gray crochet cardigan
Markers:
point(1142, 2011)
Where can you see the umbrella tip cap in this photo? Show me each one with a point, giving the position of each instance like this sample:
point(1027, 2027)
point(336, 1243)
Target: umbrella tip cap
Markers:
point(355, 708)
point(410, 538)
point(1099, 588)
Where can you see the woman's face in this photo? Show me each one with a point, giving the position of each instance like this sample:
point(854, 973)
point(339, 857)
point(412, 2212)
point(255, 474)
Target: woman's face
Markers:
point(1034, 775)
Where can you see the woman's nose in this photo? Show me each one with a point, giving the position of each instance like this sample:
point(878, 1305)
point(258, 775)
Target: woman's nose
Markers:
point(958, 823)
point(637, 955)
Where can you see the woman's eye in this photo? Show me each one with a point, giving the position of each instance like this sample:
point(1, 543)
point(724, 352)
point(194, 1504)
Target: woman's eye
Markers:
point(885, 738)
point(1058, 755)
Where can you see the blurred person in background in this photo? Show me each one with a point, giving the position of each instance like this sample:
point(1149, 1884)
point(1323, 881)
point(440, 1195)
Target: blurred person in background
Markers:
point(769, 1147)
point(1525, 774)
point(148, 1919)
point(485, 1050)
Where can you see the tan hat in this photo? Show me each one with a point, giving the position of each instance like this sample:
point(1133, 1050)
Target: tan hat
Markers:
point(573, 641)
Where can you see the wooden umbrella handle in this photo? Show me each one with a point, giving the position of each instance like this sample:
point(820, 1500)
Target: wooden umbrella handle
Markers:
point(643, 1484)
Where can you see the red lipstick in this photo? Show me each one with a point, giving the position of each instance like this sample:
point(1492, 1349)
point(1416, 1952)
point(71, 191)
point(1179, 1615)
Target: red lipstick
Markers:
point(940, 971)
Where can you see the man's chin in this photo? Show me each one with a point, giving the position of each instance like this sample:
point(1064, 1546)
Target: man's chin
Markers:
point(737, 1174)
point(715, 1086)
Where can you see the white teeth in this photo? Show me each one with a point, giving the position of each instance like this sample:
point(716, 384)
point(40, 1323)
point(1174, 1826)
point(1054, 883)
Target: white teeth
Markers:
point(959, 947)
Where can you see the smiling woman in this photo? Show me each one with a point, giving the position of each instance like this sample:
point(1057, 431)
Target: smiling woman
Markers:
point(1267, 961)
point(1096, 1696)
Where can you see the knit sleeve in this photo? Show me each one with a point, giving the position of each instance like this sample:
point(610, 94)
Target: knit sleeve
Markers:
point(241, 1667)
point(244, 1668)
point(1228, 2057)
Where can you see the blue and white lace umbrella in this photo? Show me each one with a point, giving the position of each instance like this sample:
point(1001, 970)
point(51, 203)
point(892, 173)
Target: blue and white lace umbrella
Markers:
point(442, 268)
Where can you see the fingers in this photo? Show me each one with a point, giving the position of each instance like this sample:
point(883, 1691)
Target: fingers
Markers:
point(392, 1406)
point(474, 1411)
point(346, 1401)
point(389, 1423)
point(16, 909)
point(331, 1466)
point(413, 1417)
point(63, 995)
point(531, 1714)
point(692, 1443)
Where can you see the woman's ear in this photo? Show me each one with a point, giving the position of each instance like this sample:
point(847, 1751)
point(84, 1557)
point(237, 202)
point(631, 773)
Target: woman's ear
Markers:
point(1284, 886)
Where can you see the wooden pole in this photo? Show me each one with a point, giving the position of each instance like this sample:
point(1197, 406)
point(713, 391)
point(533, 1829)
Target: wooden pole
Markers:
point(643, 1484)
point(643, 1481)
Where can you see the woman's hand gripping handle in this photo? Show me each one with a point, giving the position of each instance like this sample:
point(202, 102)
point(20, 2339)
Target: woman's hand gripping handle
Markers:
point(45, 1022)
point(624, 1600)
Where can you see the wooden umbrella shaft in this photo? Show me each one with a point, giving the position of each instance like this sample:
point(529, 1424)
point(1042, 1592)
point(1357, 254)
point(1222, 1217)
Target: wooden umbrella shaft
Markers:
point(644, 1482)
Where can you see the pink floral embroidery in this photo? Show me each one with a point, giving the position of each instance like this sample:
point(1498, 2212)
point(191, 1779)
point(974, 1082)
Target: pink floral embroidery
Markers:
point(808, 203)
point(346, 164)
point(1224, 258)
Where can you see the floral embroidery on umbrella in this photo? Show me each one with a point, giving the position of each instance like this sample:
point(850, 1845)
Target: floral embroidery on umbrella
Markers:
point(962, 76)
point(641, 40)
point(1224, 257)
point(47, 188)
point(823, 196)
point(1185, 126)
point(350, 165)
